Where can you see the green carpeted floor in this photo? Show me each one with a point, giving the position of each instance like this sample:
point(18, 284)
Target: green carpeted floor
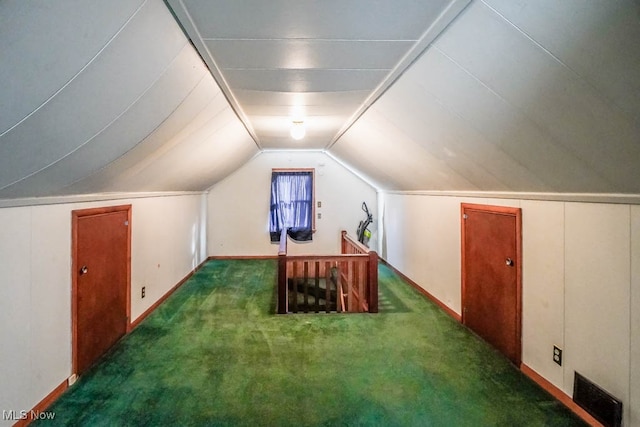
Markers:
point(215, 354)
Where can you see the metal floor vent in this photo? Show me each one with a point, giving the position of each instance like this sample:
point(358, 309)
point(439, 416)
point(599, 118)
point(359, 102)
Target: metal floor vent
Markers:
point(597, 402)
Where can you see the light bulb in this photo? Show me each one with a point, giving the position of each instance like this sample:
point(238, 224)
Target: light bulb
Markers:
point(297, 130)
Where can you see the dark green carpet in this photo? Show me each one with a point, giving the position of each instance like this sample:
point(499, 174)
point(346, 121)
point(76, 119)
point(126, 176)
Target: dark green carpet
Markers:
point(215, 354)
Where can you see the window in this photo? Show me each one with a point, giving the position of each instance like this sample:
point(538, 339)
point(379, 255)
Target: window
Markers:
point(292, 202)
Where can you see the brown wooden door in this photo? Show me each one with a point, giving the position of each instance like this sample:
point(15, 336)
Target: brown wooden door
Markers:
point(491, 278)
point(101, 273)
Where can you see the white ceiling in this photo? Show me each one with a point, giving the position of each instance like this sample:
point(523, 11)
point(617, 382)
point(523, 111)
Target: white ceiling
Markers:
point(322, 62)
point(528, 95)
point(108, 96)
point(495, 95)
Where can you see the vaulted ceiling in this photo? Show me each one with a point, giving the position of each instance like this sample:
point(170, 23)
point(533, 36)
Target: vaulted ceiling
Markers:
point(319, 62)
point(496, 95)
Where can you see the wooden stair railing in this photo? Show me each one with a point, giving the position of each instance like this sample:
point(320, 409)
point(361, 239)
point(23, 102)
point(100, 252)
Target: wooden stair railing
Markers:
point(328, 283)
point(350, 246)
point(282, 273)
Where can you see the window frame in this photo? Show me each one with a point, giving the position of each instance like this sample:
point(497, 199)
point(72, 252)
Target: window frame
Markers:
point(313, 190)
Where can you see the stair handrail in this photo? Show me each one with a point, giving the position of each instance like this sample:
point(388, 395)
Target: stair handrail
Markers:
point(350, 248)
point(351, 245)
point(347, 241)
point(282, 273)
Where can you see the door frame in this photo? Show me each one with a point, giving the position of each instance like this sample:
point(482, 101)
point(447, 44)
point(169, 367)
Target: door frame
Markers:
point(499, 210)
point(75, 217)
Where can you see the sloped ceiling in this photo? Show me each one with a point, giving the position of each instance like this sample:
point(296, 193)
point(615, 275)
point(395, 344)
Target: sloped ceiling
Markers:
point(321, 62)
point(108, 96)
point(495, 95)
point(527, 95)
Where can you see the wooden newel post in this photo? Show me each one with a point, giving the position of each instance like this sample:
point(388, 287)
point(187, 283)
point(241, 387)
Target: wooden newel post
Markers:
point(373, 282)
point(343, 242)
point(282, 284)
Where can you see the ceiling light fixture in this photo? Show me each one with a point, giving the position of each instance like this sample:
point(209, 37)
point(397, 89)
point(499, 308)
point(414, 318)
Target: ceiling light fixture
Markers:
point(297, 130)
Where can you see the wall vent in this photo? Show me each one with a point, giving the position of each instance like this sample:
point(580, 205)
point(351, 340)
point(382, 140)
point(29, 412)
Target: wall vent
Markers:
point(597, 402)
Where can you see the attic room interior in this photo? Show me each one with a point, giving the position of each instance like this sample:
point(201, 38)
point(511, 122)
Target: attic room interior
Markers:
point(177, 112)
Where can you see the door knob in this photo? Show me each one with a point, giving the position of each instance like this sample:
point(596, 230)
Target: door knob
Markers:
point(84, 270)
point(509, 262)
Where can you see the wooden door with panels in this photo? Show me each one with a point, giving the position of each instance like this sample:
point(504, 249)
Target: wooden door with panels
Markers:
point(492, 276)
point(101, 272)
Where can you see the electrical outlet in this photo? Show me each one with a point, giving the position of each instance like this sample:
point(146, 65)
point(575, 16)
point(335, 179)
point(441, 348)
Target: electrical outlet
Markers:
point(144, 288)
point(557, 355)
point(319, 215)
point(319, 204)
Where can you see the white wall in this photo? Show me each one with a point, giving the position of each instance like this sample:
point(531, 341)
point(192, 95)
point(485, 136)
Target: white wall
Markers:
point(35, 282)
point(543, 287)
point(634, 390)
point(597, 294)
point(581, 281)
point(169, 241)
point(238, 216)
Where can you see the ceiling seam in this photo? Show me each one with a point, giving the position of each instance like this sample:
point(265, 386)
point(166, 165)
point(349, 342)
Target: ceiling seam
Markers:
point(497, 146)
point(201, 142)
point(118, 116)
point(107, 44)
point(308, 39)
point(162, 150)
point(224, 86)
point(97, 171)
point(303, 69)
point(581, 78)
point(390, 80)
point(470, 155)
point(555, 142)
point(433, 156)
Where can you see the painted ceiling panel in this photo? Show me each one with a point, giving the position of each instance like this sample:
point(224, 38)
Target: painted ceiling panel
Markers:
point(489, 93)
point(533, 95)
point(598, 40)
point(137, 109)
point(128, 66)
point(305, 80)
point(207, 155)
point(547, 91)
point(313, 19)
point(282, 48)
point(123, 134)
point(217, 157)
point(279, 111)
point(308, 54)
point(391, 159)
point(250, 97)
point(40, 54)
point(194, 113)
point(287, 143)
point(549, 166)
point(451, 140)
point(504, 59)
point(290, 104)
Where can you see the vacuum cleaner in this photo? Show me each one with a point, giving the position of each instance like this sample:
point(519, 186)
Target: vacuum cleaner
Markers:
point(363, 232)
